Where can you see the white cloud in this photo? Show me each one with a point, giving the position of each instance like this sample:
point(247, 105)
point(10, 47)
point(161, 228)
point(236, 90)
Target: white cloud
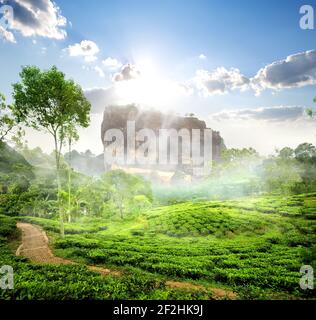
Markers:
point(35, 18)
point(86, 49)
point(296, 70)
point(275, 113)
point(127, 72)
point(202, 56)
point(112, 63)
point(99, 71)
point(220, 81)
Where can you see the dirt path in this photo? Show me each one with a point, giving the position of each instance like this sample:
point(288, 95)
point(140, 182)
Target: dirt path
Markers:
point(218, 293)
point(35, 246)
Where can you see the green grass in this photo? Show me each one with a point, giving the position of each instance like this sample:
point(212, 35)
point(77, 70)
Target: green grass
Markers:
point(48, 282)
point(253, 246)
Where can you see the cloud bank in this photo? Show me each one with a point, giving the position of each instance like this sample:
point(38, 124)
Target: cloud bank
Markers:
point(295, 70)
point(278, 113)
point(34, 18)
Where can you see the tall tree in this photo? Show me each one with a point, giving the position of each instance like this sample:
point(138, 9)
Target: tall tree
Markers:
point(71, 136)
point(48, 102)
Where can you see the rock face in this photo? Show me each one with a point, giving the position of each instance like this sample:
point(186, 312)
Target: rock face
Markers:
point(116, 117)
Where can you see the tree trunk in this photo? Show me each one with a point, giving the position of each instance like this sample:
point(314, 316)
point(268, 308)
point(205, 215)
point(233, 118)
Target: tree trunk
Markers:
point(61, 218)
point(69, 183)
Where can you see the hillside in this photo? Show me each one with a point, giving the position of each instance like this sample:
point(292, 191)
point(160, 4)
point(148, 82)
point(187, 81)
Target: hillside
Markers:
point(13, 164)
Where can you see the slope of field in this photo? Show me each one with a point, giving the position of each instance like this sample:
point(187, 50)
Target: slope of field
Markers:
point(254, 246)
point(35, 281)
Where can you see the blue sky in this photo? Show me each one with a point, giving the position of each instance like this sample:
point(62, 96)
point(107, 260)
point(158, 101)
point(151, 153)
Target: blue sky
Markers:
point(174, 40)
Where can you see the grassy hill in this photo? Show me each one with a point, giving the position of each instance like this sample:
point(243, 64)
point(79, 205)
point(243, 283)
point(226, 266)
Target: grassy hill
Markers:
point(253, 246)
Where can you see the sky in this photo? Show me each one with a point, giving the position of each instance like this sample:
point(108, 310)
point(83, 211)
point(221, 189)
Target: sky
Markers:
point(246, 67)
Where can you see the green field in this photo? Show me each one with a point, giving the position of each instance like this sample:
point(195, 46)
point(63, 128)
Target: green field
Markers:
point(252, 246)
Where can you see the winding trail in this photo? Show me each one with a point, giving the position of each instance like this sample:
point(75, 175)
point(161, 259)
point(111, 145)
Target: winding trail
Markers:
point(35, 246)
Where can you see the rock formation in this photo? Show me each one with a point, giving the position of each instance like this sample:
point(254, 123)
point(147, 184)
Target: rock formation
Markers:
point(116, 117)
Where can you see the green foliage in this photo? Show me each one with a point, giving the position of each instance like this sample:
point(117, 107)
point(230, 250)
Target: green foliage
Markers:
point(292, 170)
point(254, 245)
point(7, 227)
point(85, 226)
point(123, 189)
point(76, 282)
point(14, 164)
point(242, 172)
point(306, 152)
point(281, 176)
point(17, 204)
point(7, 122)
point(46, 101)
point(196, 219)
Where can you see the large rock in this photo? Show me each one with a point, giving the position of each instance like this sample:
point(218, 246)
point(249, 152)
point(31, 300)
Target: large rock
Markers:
point(116, 117)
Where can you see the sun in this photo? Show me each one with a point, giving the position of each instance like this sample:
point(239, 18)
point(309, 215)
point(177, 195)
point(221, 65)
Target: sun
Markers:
point(150, 88)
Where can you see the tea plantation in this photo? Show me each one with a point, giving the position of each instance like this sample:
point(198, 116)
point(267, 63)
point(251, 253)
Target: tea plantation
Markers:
point(252, 246)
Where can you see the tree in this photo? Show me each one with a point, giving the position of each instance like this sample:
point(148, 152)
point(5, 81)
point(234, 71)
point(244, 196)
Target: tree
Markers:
point(306, 152)
point(71, 135)
point(123, 188)
point(7, 123)
point(286, 153)
point(142, 202)
point(46, 101)
point(281, 175)
point(236, 161)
